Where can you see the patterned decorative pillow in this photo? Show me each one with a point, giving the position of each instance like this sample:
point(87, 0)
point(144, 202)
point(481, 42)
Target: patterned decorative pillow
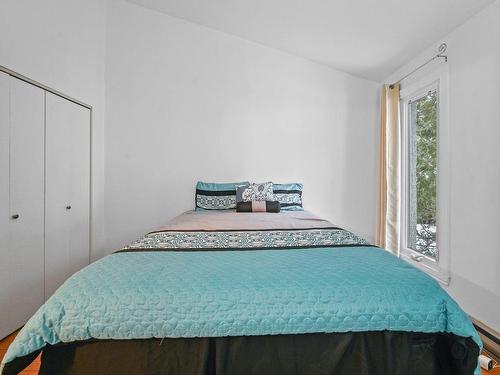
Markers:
point(239, 192)
point(258, 206)
point(257, 192)
point(289, 196)
point(216, 196)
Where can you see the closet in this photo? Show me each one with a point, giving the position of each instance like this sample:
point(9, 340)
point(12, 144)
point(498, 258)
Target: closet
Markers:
point(44, 196)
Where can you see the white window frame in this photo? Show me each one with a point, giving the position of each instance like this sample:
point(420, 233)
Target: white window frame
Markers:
point(439, 269)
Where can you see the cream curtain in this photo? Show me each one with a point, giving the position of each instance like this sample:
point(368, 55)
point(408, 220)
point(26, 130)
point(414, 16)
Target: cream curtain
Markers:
point(389, 170)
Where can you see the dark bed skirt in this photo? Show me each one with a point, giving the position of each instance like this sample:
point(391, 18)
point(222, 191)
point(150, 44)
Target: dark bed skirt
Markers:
point(361, 353)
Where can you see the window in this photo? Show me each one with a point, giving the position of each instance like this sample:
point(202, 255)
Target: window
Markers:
point(425, 186)
point(422, 173)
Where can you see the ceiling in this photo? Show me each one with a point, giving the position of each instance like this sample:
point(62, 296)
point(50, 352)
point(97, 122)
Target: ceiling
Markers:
point(367, 38)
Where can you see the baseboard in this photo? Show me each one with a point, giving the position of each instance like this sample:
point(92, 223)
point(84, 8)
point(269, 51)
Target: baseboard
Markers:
point(490, 338)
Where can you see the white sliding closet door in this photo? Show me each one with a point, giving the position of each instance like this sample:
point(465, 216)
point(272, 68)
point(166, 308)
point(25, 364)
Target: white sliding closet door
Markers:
point(4, 203)
point(67, 190)
point(22, 252)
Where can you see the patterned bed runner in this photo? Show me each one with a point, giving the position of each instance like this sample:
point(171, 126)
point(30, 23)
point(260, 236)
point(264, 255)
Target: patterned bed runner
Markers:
point(245, 240)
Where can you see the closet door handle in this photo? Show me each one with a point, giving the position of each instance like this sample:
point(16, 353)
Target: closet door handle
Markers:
point(68, 207)
point(15, 216)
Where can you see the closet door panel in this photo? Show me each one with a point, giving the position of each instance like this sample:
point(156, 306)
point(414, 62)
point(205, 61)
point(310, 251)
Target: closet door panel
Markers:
point(79, 178)
point(4, 203)
point(67, 190)
point(25, 256)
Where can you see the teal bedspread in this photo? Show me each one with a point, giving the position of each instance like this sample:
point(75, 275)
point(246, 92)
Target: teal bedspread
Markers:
point(133, 295)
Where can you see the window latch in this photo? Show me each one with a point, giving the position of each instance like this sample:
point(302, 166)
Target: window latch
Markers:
point(416, 258)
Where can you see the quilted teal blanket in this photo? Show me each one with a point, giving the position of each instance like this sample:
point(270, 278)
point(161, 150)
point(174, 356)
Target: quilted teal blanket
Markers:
point(334, 285)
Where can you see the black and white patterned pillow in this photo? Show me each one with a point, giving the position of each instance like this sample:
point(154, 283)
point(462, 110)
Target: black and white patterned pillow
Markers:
point(257, 192)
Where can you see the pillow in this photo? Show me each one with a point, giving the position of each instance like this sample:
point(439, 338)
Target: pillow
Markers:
point(289, 196)
point(216, 196)
point(239, 192)
point(258, 206)
point(256, 192)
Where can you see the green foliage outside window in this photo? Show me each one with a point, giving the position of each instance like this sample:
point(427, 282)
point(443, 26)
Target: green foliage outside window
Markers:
point(426, 173)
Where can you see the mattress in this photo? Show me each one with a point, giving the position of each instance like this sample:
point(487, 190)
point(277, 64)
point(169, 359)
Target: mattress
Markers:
point(215, 275)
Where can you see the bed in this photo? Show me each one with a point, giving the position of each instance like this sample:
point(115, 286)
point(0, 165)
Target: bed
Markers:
point(248, 293)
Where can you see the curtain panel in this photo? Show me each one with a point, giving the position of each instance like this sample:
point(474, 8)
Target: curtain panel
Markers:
point(388, 213)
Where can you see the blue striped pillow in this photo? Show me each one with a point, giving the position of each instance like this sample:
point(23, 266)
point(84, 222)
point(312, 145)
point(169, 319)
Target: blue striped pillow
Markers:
point(289, 196)
point(216, 196)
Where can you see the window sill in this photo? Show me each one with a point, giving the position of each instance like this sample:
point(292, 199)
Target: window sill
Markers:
point(429, 267)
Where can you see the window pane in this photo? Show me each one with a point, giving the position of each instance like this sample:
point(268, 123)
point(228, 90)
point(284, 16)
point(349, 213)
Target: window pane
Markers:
point(422, 170)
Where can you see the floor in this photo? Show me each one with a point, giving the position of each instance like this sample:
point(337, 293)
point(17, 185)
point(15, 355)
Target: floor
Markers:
point(33, 368)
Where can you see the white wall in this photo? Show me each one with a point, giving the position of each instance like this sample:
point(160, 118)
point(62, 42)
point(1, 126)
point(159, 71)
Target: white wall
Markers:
point(184, 102)
point(474, 64)
point(61, 43)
